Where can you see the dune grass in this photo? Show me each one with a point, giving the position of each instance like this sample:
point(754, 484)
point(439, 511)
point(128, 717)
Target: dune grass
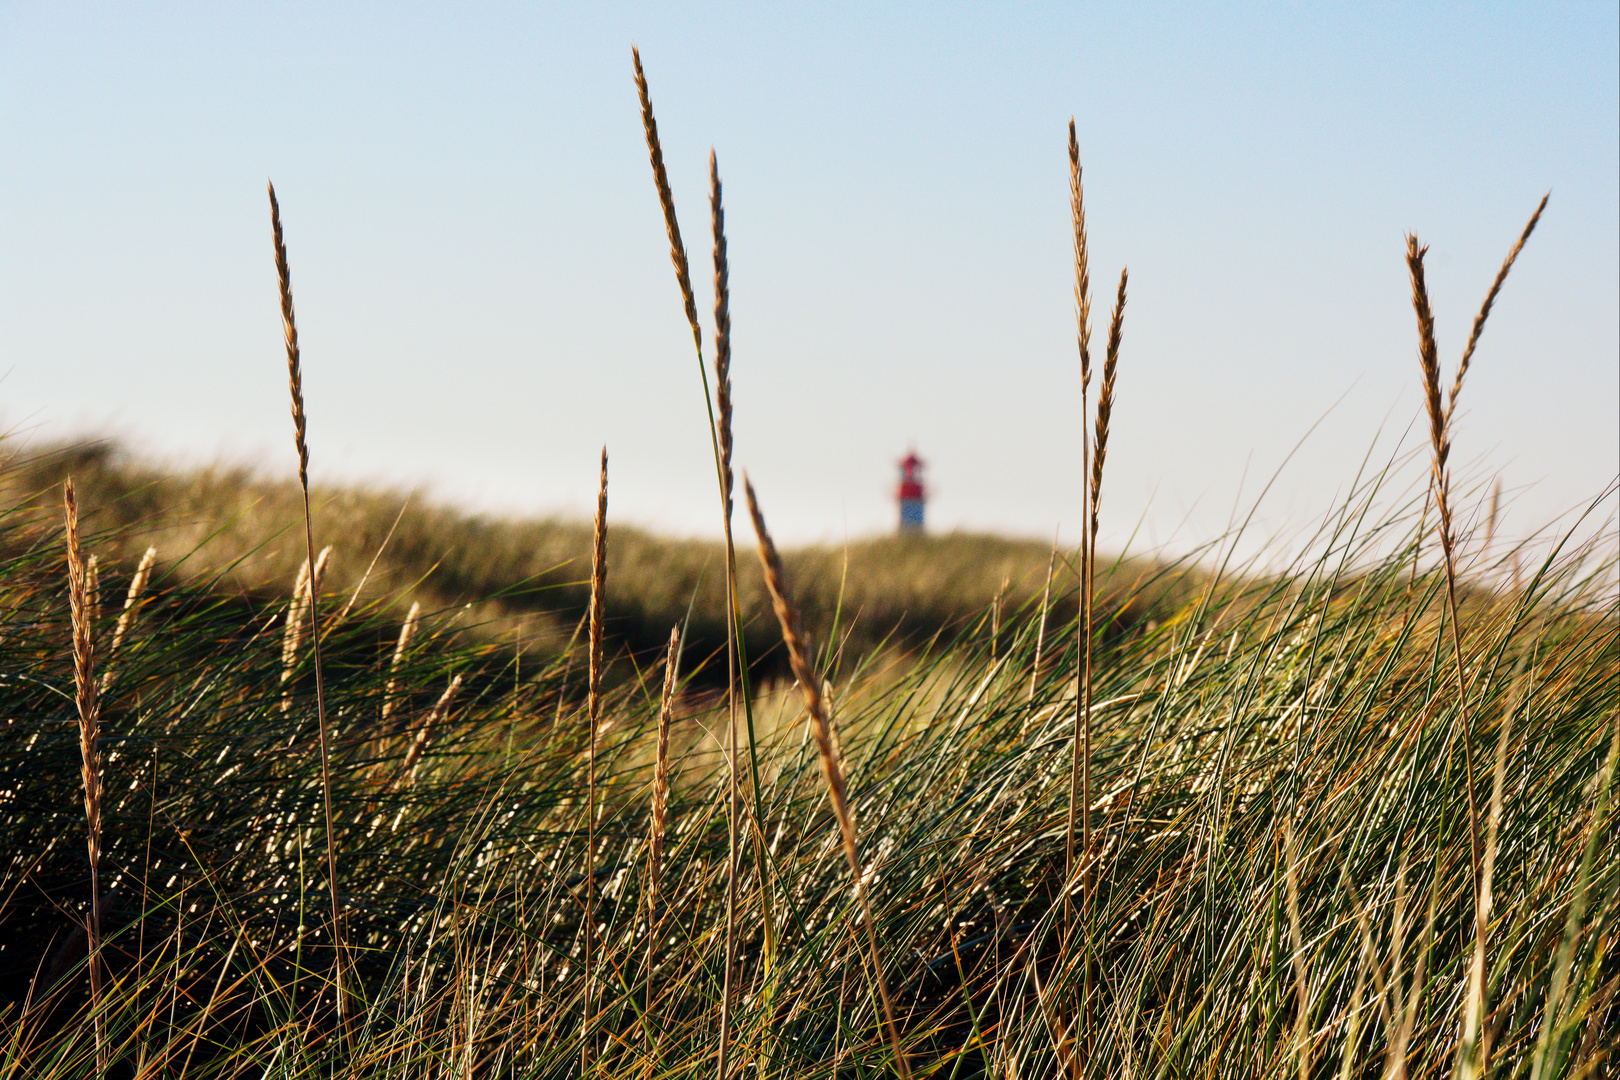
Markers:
point(1351, 818)
point(525, 584)
point(1282, 856)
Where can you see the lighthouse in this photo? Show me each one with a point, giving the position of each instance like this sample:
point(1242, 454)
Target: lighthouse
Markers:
point(911, 495)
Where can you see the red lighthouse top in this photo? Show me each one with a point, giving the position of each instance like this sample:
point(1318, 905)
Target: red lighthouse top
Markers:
point(911, 477)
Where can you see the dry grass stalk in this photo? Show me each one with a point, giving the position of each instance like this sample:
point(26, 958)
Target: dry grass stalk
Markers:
point(1474, 1052)
point(1082, 316)
point(1490, 300)
point(295, 386)
point(1440, 442)
point(666, 199)
point(424, 730)
point(593, 708)
point(720, 435)
point(722, 432)
point(722, 330)
point(126, 617)
point(137, 588)
point(1082, 260)
point(1105, 409)
point(293, 634)
point(1105, 399)
point(800, 657)
point(660, 799)
point(1080, 753)
point(143, 574)
point(79, 602)
point(407, 630)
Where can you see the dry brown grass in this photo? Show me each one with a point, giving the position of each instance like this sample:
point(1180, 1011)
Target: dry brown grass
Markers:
point(88, 702)
point(1474, 1049)
point(720, 435)
point(720, 422)
point(1082, 316)
point(666, 199)
point(295, 386)
point(593, 712)
point(1490, 300)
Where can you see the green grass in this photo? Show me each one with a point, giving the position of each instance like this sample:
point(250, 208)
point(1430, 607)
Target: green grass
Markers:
point(523, 585)
point(1314, 704)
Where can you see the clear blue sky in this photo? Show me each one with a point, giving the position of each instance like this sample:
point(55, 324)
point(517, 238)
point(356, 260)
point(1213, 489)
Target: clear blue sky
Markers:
point(484, 292)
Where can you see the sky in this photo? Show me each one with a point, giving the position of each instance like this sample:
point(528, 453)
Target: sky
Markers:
point(485, 299)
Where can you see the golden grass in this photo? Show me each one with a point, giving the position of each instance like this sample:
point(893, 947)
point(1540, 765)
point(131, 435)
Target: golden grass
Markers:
point(1082, 316)
point(722, 331)
point(666, 199)
point(126, 616)
point(137, 587)
point(295, 386)
point(598, 613)
point(1005, 799)
point(293, 632)
point(88, 702)
point(658, 821)
point(407, 630)
point(424, 730)
point(721, 437)
point(1474, 1048)
point(1490, 300)
point(799, 654)
point(721, 421)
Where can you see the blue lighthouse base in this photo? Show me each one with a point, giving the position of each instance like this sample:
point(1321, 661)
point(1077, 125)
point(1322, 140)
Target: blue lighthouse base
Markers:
point(911, 515)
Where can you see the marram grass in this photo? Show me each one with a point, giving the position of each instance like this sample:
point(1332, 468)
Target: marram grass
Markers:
point(1285, 873)
point(1276, 763)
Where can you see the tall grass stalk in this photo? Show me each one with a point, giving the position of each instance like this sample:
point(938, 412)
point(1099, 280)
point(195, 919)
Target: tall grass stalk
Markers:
point(658, 825)
point(1082, 314)
point(593, 711)
point(89, 708)
point(720, 434)
point(295, 386)
point(391, 689)
point(1105, 408)
point(801, 657)
point(1474, 1053)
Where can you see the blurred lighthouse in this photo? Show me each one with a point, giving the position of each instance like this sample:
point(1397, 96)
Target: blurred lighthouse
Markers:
point(911, 495)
